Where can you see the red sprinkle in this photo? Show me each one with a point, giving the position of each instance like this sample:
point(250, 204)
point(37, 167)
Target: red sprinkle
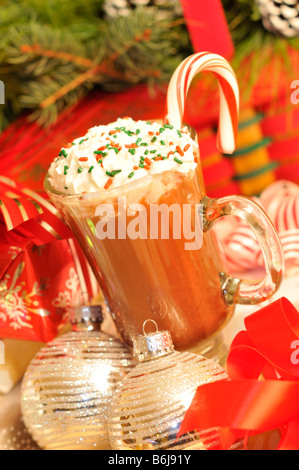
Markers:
point(147, 167)
point(151, 133)
point(109, 183)
point(178, 148)
point(135, 167)
point(131, 146)
point(83, 159)
point(100, 149)
point(195, 159)
point(114, 132)
point(187, 147)
point(170, 153)
point(69, 146)
point(147, 160)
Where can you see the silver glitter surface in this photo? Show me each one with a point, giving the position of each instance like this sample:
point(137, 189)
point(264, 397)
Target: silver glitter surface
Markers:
point(68, 388)
point(150, 403)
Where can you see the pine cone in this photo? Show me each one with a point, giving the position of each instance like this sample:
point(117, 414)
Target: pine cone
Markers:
point(114, 8)
point(280, 16)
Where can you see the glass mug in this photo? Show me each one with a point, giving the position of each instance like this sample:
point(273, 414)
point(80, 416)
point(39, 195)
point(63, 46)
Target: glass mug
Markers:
point(187, 291)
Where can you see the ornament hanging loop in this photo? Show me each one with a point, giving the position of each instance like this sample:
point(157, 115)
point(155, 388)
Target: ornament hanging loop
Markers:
point(149, 321)
point(152, 345)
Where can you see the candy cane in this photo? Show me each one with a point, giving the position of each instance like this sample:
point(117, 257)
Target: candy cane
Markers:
point(229, 95)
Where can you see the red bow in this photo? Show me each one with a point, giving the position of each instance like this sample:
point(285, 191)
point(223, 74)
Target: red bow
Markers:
point(247, 405)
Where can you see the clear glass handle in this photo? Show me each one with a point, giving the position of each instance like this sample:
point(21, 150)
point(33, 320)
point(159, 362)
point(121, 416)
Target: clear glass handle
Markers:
point(249, 292)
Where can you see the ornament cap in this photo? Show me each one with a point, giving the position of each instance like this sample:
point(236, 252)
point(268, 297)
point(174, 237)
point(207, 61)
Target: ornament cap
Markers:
point(87, 318)
point(152, 345)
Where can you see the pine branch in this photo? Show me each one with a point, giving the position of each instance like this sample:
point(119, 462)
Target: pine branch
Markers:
point(37, 50)
point(147, 47)
point(58, 56)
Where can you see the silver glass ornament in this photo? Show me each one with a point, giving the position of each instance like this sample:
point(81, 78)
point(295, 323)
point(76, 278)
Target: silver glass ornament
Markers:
point(150, 403)
point(68, 387)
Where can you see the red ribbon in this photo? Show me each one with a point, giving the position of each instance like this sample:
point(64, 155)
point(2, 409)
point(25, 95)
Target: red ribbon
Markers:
point(30, 213)
point(247, 405)
point(208, 27)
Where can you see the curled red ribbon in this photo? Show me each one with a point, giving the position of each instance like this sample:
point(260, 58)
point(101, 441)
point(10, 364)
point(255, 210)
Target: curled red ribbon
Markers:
point(263, 393)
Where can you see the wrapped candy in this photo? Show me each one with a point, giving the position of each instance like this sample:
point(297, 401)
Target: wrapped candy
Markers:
point(281, 203)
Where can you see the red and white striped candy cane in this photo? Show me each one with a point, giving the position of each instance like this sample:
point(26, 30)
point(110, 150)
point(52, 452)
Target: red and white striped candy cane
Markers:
point(229, 95)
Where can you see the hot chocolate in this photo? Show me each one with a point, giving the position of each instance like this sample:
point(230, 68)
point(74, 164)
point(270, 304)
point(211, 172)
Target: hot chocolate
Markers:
point(173, 279)
point(133, 192)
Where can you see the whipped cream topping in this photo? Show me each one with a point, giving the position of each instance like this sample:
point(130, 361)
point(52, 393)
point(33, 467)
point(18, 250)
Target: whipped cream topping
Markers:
point(113, 155)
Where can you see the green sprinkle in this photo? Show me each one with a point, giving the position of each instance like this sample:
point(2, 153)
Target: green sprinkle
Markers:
point(168, 126)
point(100, 161)
point(80, 169)
point(153, 151)
point(66, 187)
point(179, 133)
point(100, 152)
point(132, 151)
point(138, 131)
point(90, 169)
point(62, 152)
point(112, 173)
point(142, 159)
point(65, 170)
point(178, 161)
point(162, 142)
point(131, 174)
point(154, 139)
point(141, 165)
point(161, 130)
point(144, 144)
point(138, 141)
point(83, 140)
point(146, 152)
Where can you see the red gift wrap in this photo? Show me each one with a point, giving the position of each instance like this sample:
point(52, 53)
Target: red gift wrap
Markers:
point(43, 272)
